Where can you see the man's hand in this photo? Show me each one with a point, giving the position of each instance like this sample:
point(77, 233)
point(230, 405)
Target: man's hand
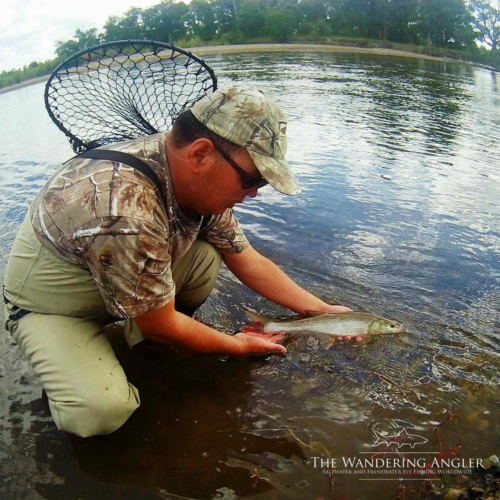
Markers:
point(260, 343)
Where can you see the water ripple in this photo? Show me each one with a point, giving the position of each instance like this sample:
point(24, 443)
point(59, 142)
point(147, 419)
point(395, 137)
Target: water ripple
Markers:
point(400, 215)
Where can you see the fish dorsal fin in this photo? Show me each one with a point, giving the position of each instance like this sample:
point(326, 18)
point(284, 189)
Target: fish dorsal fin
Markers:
point(312, 314)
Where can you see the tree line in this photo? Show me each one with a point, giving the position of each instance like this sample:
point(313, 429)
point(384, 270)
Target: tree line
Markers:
point(428, 24)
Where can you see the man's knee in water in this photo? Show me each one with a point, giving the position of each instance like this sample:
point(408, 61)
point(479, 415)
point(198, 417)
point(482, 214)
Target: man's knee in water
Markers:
point(96, 414)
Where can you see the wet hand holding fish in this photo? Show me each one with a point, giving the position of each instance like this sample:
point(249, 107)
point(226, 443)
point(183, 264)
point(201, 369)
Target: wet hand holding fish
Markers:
point(261, 343)
point(345, 326)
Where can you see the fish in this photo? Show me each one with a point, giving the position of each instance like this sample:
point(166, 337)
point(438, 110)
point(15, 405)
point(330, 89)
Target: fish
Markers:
point(341, 326)
point(402, 438)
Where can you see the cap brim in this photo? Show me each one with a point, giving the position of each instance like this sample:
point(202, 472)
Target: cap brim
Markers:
point(276, 172)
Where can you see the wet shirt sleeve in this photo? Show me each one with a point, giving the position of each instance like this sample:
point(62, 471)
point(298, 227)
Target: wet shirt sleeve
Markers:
point(130, 262)
point(225, 233)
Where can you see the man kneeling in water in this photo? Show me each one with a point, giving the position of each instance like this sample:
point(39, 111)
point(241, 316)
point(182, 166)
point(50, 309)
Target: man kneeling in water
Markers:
point(103, 242)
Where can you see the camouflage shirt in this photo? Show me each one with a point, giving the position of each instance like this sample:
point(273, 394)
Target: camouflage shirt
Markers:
point(109, 218)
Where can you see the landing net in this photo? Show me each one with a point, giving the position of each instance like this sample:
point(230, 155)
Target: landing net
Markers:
point(124, 90)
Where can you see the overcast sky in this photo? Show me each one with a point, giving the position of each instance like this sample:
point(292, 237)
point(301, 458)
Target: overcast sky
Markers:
point(29, 29)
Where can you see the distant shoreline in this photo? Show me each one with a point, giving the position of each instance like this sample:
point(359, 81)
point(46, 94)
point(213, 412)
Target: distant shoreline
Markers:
point(26, 83)
point(306, 47)
point(279, 47)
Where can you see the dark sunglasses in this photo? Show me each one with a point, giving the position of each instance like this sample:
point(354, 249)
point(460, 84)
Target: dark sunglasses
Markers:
point(248, 182)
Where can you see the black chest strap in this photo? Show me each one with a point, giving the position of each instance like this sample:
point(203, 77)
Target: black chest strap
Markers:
point(133, 161)
point(127, 159)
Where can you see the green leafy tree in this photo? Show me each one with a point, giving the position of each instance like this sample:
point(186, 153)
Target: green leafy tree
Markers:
point(315, 15)
point(225, 14)
point(128, 27)
point(112, 29)
point(132, 24)
point(486, 20)
point(251, 18)
point(81, 40)
point(379, 18)
point(445, 23)
point(88, 38)
point(351, 18)
point(314, 10)
point(282, 23)
point(67, 49)
point(201, 19)
point(403, 16)
point(164, 22)
point(390, 19)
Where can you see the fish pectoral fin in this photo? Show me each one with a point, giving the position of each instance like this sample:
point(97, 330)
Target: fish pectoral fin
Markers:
point(255, 328)
point(331, 342)
point(312, 314)
point(256, 318)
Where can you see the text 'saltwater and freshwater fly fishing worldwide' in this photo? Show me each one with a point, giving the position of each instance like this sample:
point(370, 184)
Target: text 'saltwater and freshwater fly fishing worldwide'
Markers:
point(400, 215)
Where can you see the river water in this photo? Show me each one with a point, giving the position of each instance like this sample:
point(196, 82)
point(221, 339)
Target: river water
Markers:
point(398, 160)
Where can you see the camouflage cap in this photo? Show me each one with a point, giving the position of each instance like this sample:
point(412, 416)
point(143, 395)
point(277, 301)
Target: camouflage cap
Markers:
point(250, 119)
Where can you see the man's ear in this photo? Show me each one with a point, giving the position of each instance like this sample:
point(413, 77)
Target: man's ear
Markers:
point(200, 153)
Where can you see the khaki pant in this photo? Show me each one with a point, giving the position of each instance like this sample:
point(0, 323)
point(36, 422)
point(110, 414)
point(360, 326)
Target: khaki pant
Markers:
point(63, 336)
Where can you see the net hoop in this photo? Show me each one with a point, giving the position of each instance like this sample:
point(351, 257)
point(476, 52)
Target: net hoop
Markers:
point(123, 90)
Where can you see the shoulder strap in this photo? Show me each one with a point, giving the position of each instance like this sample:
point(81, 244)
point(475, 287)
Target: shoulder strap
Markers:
point(127, 159)
point(134, 162)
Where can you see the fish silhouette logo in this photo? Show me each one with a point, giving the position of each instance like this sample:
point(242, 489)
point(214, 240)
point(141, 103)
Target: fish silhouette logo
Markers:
point(402, 438)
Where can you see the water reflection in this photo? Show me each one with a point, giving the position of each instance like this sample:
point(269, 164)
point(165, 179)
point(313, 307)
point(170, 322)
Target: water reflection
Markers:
point(399, 216)
point(188, 428)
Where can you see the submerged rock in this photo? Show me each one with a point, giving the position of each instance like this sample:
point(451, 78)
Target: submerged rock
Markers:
point(225, 494)
point(491, 463)
point(476, 492)
point(452, 494)
point(435, 494)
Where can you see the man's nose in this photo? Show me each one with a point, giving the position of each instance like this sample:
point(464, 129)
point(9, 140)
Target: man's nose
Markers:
point(252, 193)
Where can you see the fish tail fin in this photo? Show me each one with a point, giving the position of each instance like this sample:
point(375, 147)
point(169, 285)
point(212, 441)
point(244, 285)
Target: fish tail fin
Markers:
point(380, 438)
point(258, 322)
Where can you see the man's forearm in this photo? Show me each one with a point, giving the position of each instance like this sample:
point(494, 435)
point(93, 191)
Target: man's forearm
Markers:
point(166, 325)
point(188, 333)
point(268, 280)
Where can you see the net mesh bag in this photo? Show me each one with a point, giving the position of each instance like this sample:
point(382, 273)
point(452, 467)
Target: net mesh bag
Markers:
point(124, 90)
